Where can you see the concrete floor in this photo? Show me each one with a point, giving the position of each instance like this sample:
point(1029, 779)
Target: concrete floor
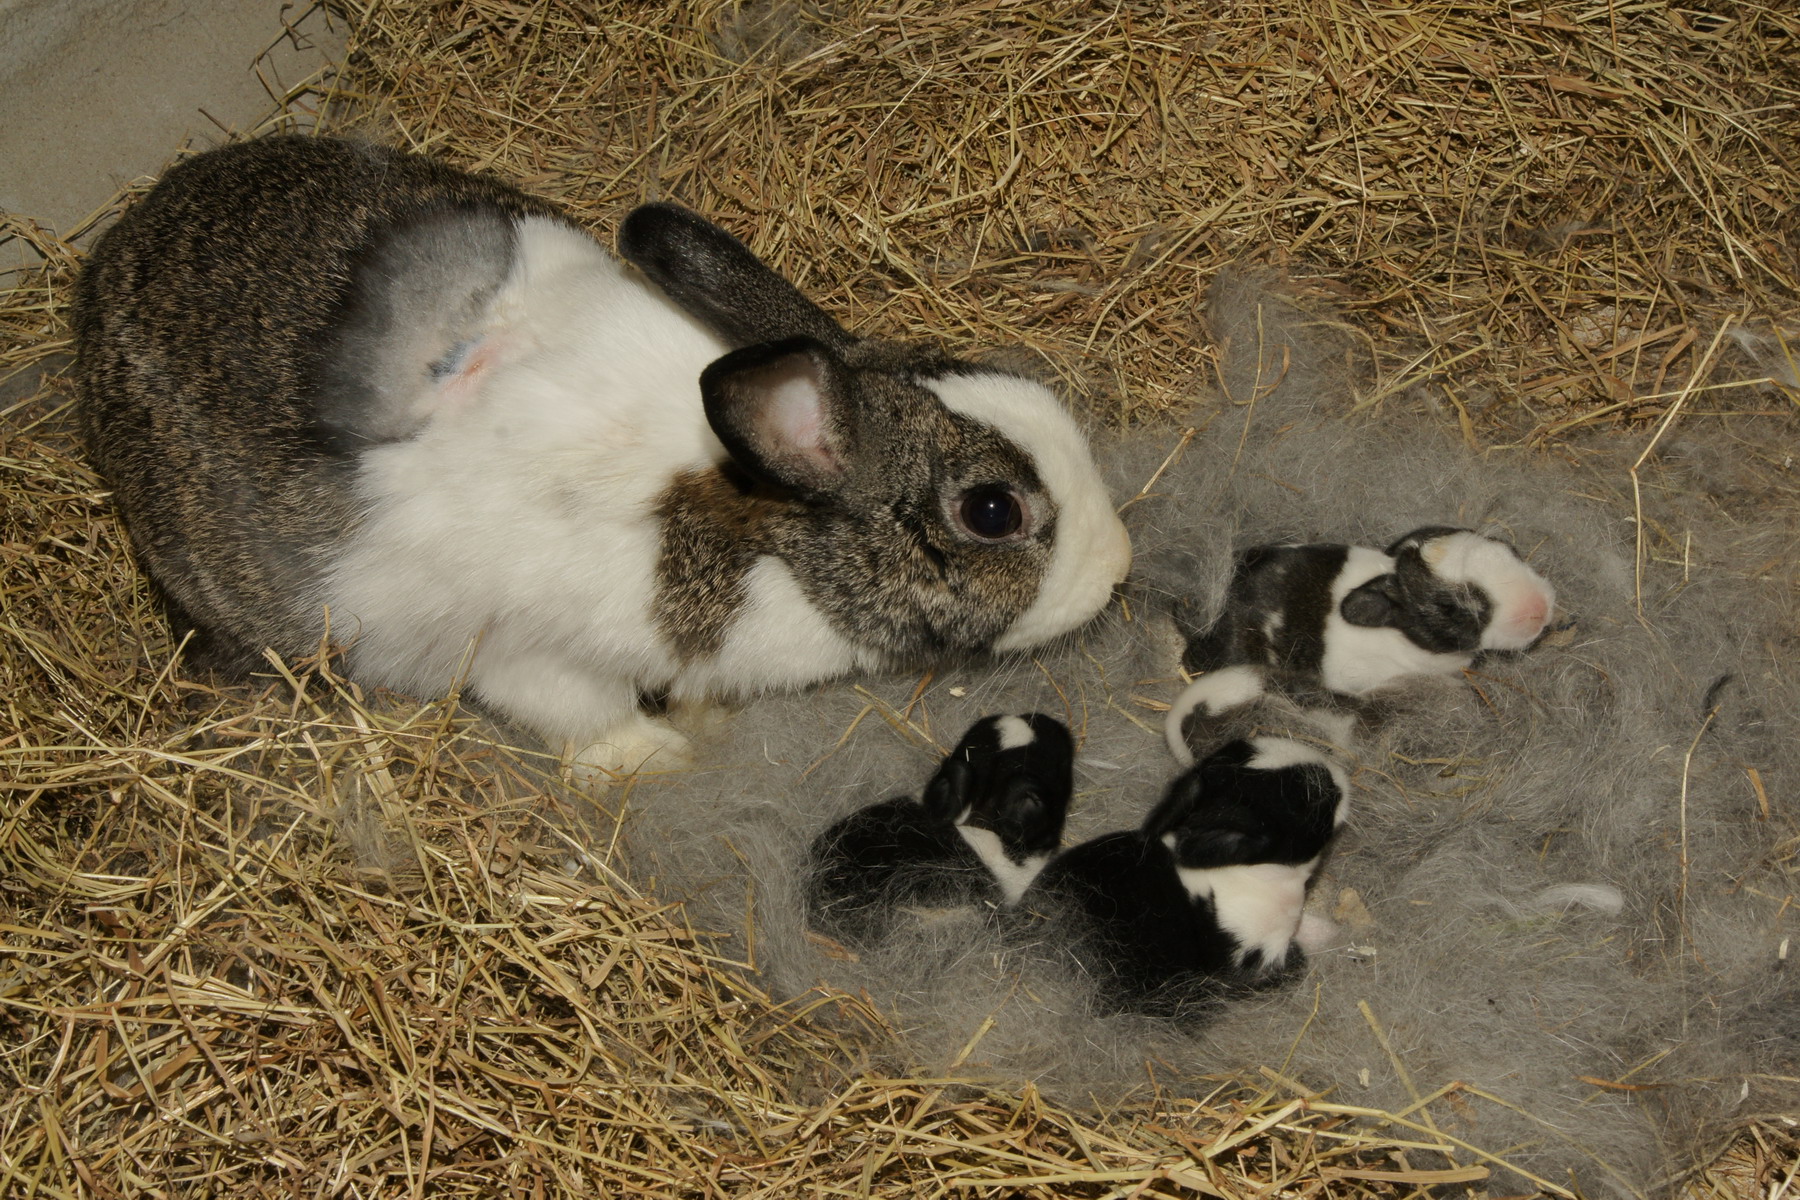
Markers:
point(94, 93)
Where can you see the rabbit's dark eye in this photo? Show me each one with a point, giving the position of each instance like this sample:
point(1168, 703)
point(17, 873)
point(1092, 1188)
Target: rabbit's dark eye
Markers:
point(991, 513)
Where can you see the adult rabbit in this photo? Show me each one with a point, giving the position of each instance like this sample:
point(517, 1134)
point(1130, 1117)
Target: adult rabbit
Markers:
point(344, 391)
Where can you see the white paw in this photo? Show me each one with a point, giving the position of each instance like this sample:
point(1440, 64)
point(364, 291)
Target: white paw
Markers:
point(637, 744)
point(1317, 933)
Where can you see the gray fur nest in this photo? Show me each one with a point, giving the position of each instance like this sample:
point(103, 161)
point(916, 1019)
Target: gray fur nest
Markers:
point(1562, 894)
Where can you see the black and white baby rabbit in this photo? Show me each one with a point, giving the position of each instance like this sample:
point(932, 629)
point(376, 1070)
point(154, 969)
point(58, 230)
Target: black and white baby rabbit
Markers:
point(343, 391)
point(1323, 622)
point(988, 821)
point(1207, 897)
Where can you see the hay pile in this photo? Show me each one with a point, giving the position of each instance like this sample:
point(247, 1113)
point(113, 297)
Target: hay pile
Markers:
point(301, 939)
point(1544, 213)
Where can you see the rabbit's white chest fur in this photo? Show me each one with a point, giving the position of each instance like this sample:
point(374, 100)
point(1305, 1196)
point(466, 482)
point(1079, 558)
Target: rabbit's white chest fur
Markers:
point(777, 640)
point(1359, 659)
point(523, 516)
point(1259, 904)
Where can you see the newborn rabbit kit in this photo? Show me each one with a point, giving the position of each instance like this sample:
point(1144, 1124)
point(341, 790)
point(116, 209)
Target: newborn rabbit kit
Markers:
point(1205, 900)
point(342, 392)
point(1326, 626)
point(984, 826)
point(1356, 619)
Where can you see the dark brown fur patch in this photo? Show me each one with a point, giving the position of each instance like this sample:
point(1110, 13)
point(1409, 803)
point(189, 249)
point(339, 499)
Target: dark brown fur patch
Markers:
point(714, 527)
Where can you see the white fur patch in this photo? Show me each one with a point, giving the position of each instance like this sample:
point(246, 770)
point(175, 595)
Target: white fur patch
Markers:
point(1279, 753)
point(1342, 778)
point(778, 639)
point(1358, 659)
point(638, 743)
point(1013, 877)
point(1092, 551)
point(1014, 732)
point(1217, 691)
point(1523, 600)
point(1259, 904)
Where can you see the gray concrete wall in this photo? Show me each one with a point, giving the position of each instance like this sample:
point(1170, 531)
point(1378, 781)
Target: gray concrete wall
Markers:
point(94, 93)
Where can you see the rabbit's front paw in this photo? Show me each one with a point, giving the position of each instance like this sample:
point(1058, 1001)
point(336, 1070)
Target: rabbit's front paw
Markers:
point(637, 744)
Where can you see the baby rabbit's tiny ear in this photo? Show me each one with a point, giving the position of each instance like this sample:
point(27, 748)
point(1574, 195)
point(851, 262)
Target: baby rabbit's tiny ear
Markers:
point(1219, 846)
point(1419, 537)
point(1373, 605)
point(782, 412)
point(1176, 805)
point(947, 795)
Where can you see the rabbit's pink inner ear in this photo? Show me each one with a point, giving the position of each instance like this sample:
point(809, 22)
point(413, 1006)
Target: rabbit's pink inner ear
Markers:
point(778, 409)
point(795, 414)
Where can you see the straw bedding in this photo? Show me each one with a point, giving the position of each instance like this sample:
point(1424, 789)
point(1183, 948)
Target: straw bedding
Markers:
point(1532, 271)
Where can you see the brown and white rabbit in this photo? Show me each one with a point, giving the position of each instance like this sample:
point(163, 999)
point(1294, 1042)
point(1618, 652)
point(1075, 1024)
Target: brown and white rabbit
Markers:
point(324, 377)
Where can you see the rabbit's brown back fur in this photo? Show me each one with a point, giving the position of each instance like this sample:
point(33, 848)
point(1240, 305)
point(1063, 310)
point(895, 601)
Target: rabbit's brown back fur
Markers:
point(187, 321)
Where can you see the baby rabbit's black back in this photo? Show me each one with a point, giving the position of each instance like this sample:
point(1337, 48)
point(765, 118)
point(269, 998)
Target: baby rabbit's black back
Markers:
point(1275, 612)
point(201, 327)
point(1204, 900)
point(884, 857)
point(986, 823)
point(1116, 907)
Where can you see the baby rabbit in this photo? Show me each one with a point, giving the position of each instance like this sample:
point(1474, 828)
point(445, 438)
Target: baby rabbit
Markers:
point(1206, 898)
point(986, 824)
point(1323, 622)
point(344, 392)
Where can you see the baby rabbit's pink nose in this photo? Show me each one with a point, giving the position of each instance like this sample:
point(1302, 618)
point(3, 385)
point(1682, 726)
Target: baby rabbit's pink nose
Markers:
point(1532, 614)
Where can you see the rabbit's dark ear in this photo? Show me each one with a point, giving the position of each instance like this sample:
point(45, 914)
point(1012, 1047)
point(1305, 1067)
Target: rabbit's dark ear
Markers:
point(716, 279)
point(948, 792)
point(1176, 805)
point(783, 411)
point(1374, 604)
point(1204, 847)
